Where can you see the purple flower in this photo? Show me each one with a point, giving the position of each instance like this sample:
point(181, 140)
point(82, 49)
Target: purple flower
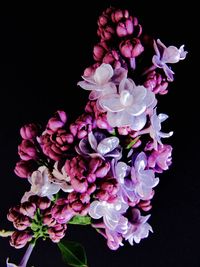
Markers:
point(160, 159)
point(98, 145)
point(57, 121)
point(155, 128)
point(138, 228)
point(144, 179)
point(166, 55)
point(156, 83)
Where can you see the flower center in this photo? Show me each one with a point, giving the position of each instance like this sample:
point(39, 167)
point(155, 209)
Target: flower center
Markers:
point(126, 98)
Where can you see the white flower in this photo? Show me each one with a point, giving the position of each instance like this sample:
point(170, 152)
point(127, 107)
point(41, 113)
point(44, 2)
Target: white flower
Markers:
point(103, 81)
point(128, 107)
point(111, 213)
point(144, 180)
point(61, 178)
point(166, 55)
point(138, 229)
point(41, 184)
point(155, 128)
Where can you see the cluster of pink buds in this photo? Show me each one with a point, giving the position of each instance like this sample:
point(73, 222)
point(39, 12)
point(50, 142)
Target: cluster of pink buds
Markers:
point(33, 219)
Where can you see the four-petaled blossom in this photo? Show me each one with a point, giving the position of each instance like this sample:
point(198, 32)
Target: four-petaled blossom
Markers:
point(128, 107)
point(102, 81)
point(41, 184)
point(138, 228)
point(155, 128)
point(144, 180)
point(98, 145)
point(164, 55)
point(111, 213)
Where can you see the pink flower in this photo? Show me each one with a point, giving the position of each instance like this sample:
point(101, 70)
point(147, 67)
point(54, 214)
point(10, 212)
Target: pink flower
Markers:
point(156, 83)
point(131, 48)
point(57, 121)
point(160, 159)
point(19, 239)
point(82, 126)
point(27, 150)
point(113, 58)
point(29, 131)
point(125, 28)
point(24, 168)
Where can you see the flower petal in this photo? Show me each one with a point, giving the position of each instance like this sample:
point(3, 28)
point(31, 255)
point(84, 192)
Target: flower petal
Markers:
point(111, 103)
point(107, 145)
point(96, 210)
point(92, 140)
point(171, 55)
point(138, 122)
point(126, 84)
point(103, 74)
point(119, 119)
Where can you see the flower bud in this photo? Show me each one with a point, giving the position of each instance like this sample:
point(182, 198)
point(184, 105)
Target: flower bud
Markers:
point(29, 131)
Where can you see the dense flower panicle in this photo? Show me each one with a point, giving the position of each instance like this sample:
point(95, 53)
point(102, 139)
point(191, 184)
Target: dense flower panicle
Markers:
point(102, 166)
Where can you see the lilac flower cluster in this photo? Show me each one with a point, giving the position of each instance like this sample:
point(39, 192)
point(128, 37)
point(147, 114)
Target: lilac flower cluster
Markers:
point(103, 166)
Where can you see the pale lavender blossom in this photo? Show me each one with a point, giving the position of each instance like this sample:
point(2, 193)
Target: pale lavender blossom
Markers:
point(138, 228)
point(144, 180)
point(111, 214)
point(126, 185)
point(102, 81)
point(98, 145)
point(128, 108)
point(41, 184)
point(155, 128)
point(164, 55)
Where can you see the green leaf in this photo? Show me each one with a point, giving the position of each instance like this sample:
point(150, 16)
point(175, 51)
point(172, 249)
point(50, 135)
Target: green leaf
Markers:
point(73, 253)
point(82, 220)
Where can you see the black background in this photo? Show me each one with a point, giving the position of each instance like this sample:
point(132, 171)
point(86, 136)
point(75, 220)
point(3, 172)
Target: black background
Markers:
point(43, 52)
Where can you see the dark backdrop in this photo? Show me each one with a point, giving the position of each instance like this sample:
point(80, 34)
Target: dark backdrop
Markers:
point(43, 52)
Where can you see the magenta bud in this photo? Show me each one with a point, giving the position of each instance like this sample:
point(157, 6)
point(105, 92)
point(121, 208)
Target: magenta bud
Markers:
point(24, 168)
point(125, 28)
point(43, 203)
point(102, 171)
point(119, 14)
point(57, 121)
point(28, 209)
point(20, 238)
point(27, 150)
point(29, 131)
point(99, 51)
point(131, 48)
